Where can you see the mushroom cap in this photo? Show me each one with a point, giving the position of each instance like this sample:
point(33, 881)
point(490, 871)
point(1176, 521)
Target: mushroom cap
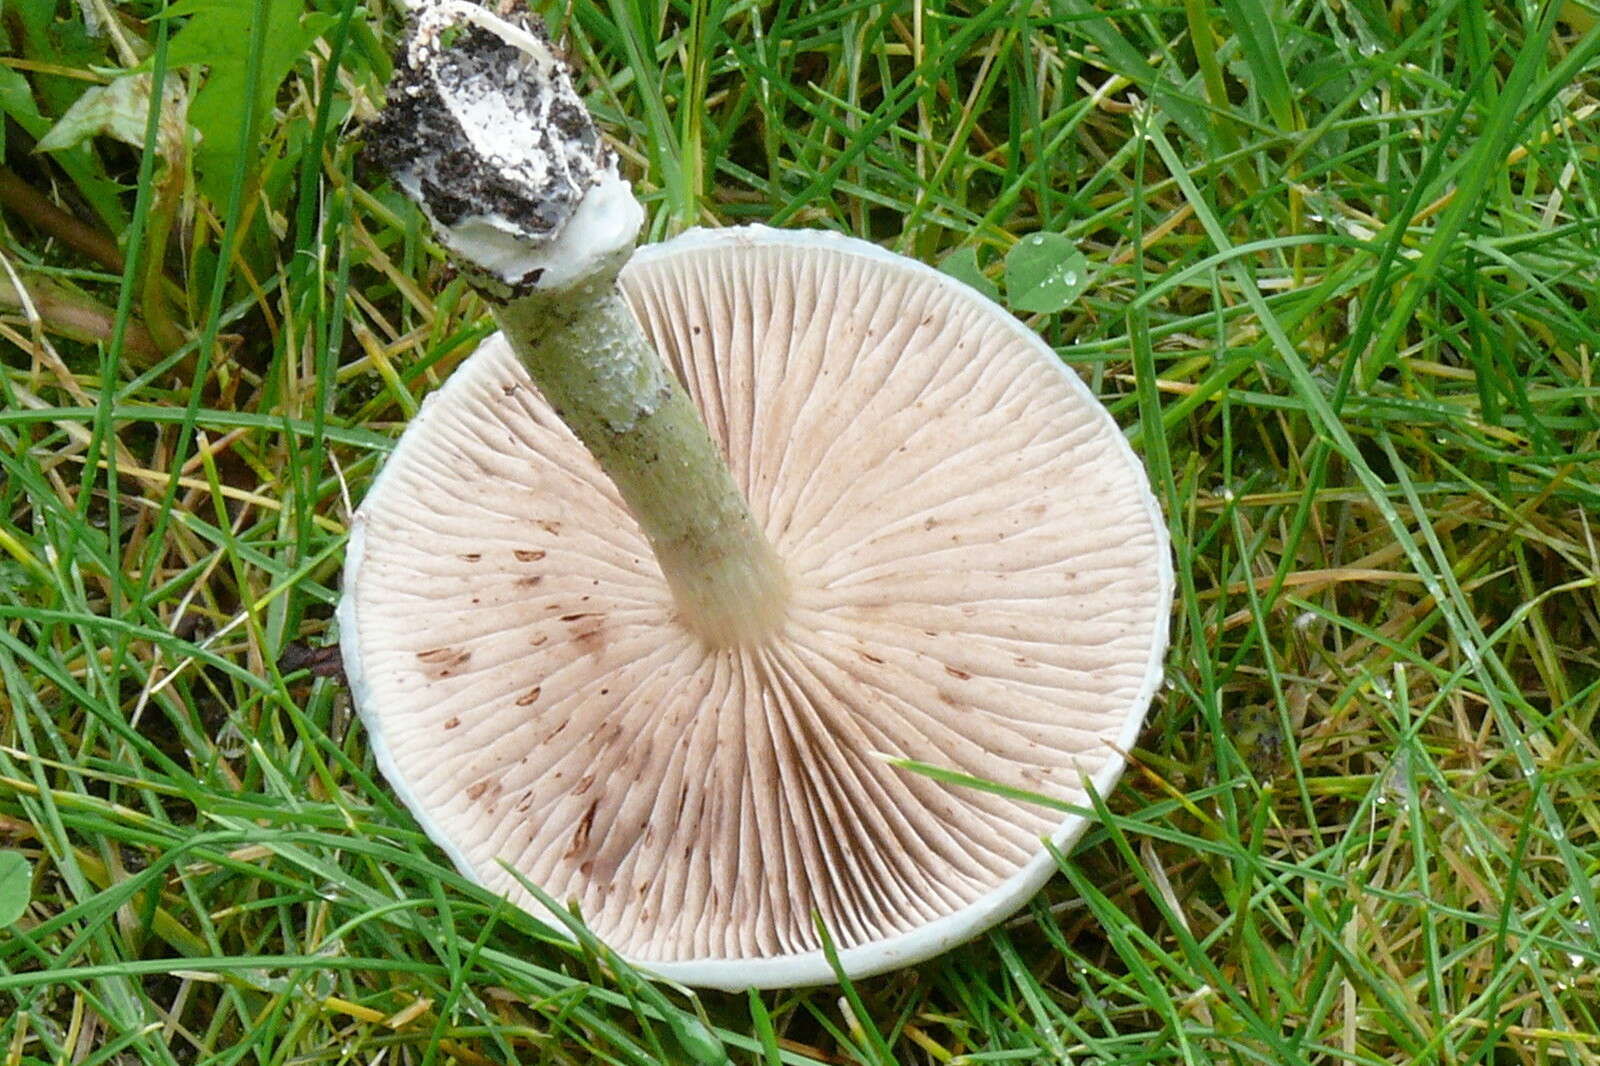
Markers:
point(981, 581)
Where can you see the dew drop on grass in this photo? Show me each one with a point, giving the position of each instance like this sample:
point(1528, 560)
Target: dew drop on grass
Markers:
point(1045, 273)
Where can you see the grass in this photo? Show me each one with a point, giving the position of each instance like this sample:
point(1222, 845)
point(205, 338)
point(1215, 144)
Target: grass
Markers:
point(1344, 293)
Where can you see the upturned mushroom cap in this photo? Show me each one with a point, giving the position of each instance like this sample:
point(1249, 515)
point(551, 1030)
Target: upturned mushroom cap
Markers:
point(981, 581)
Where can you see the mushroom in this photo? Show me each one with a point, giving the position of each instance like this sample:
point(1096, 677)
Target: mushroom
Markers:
point(660, 595)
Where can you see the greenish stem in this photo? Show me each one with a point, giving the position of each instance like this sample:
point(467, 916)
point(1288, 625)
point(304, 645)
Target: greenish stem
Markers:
point(585, 350)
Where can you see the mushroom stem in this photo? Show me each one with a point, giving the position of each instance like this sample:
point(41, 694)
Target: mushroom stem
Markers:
point(585, 350)
point(484, 130)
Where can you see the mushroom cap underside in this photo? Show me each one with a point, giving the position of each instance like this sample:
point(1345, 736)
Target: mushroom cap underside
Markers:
point(981, 582)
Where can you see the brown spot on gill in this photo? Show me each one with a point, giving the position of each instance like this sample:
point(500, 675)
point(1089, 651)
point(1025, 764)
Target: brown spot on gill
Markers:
point(529, 581)
point(444, 661)
point(573, 617)
point(478, 788)
point(470, 557)
point(961, 674)
point(870, 657)
point(452, 722)
point(528, 697)
point(580, 836)
point(528, 555)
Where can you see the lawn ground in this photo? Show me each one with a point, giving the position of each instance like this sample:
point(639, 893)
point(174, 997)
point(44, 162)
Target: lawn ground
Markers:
point(1340, 284)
